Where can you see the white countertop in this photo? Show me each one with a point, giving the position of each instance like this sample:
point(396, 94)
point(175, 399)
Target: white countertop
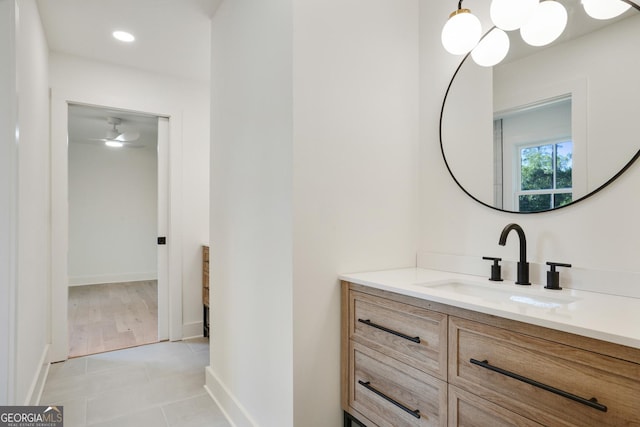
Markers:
point(601, 316)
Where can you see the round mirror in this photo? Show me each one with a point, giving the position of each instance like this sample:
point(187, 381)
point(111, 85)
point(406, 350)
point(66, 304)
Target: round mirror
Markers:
point(547, 127)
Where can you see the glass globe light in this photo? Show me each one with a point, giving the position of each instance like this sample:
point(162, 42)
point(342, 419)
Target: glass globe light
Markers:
point(461, 32)
point(546, 24)
point(605, 9)
point(491, 49)
point(510, 15)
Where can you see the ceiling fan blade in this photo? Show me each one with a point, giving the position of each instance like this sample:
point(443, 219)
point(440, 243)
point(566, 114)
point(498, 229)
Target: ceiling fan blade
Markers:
point(112, 134)
point(128, 136)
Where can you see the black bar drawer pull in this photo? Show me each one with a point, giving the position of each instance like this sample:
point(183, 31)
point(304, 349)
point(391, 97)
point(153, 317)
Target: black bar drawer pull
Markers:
point(391, 331)
point(593, 402)
point(368, 386)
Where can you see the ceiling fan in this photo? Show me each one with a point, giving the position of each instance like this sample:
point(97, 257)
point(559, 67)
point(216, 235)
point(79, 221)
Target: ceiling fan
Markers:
point(115, 138)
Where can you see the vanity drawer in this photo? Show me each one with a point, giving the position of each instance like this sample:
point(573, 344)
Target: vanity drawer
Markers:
point(551, 383)
point(468, 410)
point(393, 394)
point(413, 335)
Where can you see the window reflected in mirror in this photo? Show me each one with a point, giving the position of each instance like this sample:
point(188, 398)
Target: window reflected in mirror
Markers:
point(534, 156)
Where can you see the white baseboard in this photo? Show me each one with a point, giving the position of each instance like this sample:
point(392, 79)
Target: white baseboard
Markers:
point(233, 411)
point(39, 379)
point(112, 278)
point(192, 330)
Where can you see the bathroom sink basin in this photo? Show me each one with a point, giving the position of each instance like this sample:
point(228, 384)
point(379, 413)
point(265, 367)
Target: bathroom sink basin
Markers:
point(503, 293)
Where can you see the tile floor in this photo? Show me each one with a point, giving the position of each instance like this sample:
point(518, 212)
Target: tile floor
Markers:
point(152, 385)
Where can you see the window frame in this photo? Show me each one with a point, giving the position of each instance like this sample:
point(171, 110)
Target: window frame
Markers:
point(554, 142)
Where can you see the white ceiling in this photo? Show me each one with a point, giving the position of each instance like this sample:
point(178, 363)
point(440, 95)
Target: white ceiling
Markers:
point(87, 125)
point(172, 36)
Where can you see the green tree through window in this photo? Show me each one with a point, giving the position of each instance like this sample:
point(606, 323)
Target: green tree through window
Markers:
point(545, 176)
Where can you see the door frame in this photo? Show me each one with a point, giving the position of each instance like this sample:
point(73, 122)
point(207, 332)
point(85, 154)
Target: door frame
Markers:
point(60, 100)
point(8, 200)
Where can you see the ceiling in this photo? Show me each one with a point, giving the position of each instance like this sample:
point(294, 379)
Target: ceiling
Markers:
point(88, 125)
point(172, 36)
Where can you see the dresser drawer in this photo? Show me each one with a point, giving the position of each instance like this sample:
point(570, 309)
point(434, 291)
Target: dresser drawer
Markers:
point(205, 261)
point(551, 383)
point(205, 279)
point(205, 296)
point(393, 394)
point(413, 335)
point(468, 410)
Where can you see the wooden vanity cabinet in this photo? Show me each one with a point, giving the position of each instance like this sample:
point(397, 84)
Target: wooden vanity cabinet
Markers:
point(552, 383)
point(394, 362)
point(500, 372)
point(410, 334)
point(392, 393)
point(468, 410)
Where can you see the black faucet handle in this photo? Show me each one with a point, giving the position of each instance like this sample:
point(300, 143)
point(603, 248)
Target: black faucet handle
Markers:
point(553, 277)
point(557, 264)
point(496, 270)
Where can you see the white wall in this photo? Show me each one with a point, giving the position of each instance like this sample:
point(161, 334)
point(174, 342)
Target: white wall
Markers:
point(251, 372)
point(34, 228)
point(313, 174)
point(600, 233)
point(187, 104)
point(354, 172)
point(467, 129)
point(113, 213)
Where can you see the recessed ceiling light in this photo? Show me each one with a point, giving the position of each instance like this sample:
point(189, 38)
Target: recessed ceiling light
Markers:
point(124, 36)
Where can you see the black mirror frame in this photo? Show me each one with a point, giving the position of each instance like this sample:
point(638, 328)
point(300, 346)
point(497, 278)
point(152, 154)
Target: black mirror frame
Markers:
point(573, 202)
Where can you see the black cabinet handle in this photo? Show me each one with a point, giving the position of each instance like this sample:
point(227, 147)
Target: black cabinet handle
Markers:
point(368, 386)
point(593, 402)
point(391, 331)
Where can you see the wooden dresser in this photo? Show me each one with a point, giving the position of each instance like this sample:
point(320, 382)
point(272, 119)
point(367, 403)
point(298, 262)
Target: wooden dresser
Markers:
point(205, 290)
point(412, 362)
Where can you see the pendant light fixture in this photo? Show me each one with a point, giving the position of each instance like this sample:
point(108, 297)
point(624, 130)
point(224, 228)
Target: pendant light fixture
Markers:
point(541, 22)
point(547, 23)
point(492, 48)
point(605, 9)
point(462, 31)
point(510, 15)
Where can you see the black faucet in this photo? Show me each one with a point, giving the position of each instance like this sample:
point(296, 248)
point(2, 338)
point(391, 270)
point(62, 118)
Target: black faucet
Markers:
point(523, 265)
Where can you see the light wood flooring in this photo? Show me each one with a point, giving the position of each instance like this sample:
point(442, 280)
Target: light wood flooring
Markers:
point(112, 316)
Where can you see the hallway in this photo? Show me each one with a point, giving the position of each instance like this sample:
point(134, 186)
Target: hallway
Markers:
point(159, 384)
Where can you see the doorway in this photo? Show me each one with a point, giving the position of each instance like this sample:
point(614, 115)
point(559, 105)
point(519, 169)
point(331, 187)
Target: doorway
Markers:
point(117, 204)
